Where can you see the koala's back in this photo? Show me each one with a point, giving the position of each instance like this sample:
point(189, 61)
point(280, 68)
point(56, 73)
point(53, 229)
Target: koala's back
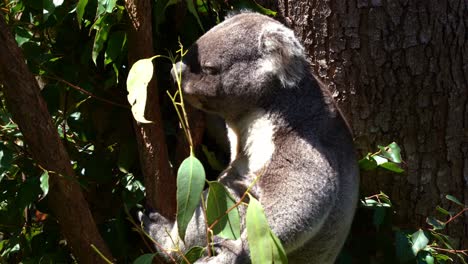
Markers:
point(309, 189)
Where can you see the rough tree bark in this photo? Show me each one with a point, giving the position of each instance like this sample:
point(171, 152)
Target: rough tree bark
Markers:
point(159, 181)
point(399, 70)
point(29, 111)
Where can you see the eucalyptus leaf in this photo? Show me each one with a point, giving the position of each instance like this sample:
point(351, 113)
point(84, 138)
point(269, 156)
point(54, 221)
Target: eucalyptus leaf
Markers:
point(80, 10)
point(218, 202)
point(453, 199)
point(419, 241)
point(137, 83)
point(190, 183)
point(258, 233)
point(367, 163)
point(279, 254)
point(102, 26)
point(144, 259)
point(436, 224)
point(391, 167)
point(44, 183)
point(193, 255)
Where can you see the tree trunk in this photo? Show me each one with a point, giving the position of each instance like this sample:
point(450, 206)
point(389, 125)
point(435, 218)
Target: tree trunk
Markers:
point(159, 181)
point(29, 111)
point(399, 71)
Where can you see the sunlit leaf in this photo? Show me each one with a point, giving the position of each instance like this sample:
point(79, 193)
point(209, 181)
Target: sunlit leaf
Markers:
point(103, 27)
point(137, 82)
point(379, 160)
point(190, 183)
point(80, 10)
point(144, 259)
point(218, 202)
point(105, 6)
point(279, 254)
point(258, 233)
point(419, 241)
point(45, 183)
point(391, 152)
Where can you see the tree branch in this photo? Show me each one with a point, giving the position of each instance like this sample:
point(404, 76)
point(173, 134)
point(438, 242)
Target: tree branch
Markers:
point(159, 181)
point(29, 111)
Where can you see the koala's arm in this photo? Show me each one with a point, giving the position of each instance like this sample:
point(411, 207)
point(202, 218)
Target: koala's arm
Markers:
point(163, 232)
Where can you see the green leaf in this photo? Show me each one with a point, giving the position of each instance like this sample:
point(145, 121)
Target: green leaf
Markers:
point(441, 258)
point(436, 224)
point(218, 202)
point(443, 211)
point(137, 82)
point(426, 257)
point(193, 255)
point(144, 259)
point(191, 8)
point(279, 254)
point(453, 199)
point(190, 183)
point(391, 167)
point(258, 233)
point(379, 160)
point(115, 46)
point(80, 10)
point(102, 26)
point(105, 6)
point(44, 183)
point(391, 152)
point(367, 163)
point(6, 160)
point(22, 35)
point(442, 239)
point(419, 240)
point(215, 164)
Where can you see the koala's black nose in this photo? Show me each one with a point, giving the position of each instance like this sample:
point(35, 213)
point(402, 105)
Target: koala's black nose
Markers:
point(178, 68)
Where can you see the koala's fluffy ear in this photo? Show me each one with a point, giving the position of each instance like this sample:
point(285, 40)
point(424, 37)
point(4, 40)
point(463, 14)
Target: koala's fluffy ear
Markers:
point(283, 55)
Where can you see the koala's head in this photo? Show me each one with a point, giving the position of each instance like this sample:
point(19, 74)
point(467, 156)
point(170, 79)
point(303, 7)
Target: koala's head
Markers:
point(240, 63)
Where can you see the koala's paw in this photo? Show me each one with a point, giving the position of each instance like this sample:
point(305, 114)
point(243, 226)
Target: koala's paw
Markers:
point(153, 221)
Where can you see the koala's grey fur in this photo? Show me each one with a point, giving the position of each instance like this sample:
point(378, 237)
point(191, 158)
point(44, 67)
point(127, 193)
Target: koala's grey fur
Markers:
point(253, 72)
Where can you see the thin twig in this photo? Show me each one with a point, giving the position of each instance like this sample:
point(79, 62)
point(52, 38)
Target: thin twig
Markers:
point(89, 93)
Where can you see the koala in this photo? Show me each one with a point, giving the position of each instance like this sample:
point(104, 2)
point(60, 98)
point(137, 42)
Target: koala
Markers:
point(283, 124)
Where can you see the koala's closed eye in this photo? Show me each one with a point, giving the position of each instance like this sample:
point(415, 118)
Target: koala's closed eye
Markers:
point(210, 69)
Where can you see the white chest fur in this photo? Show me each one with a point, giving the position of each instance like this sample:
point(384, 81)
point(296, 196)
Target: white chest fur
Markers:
point(251, 142)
